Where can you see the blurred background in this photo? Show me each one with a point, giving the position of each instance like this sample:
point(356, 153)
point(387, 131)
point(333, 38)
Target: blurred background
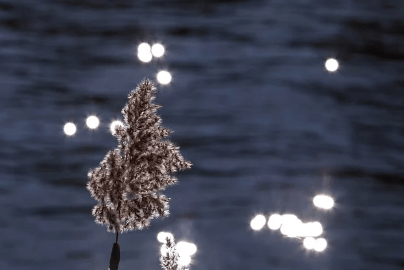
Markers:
point(252, 105)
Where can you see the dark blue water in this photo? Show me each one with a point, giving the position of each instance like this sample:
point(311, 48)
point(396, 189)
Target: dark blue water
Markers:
point(252, 107)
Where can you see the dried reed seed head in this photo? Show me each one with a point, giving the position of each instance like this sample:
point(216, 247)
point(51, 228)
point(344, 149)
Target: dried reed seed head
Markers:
point(140, 166)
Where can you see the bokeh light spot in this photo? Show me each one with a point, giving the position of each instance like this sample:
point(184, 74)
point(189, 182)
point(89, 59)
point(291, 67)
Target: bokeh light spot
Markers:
point(320, 245)
point(92, 122)
point(275, 221)
point(323, 201)
point(185, 248)
point(331, 65)
point(157, 50)
point(311, 229)
point(145, 57)
point(258, 222)
point(291, 225)
point(143, 47)
point(114, 124)
point(164, 77)
point(162, 236)
point(69, 129)
point(144, 52)
point(309, 243)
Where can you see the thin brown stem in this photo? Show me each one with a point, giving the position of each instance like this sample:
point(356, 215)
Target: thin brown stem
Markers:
point(116, 237)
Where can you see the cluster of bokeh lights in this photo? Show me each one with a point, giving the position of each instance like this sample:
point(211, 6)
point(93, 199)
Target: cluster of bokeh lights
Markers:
point(319, 244)
point(92, 122)
point(145, 53)
point(291, 226)
point(184, 249)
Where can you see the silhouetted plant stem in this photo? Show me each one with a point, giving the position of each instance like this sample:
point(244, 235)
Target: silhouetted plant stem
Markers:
point(115, 257)
point(116, 238)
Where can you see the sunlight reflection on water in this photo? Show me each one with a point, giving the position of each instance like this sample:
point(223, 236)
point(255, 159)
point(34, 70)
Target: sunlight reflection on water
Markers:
point(69, 129)
point(320, 245)
point(144, 52)
point(258, 222)
point(162, 236)
point(184, 249)
point(323, 201)
point(114, 124)
point(275, 221)
point(92, 122)
point(157, 50)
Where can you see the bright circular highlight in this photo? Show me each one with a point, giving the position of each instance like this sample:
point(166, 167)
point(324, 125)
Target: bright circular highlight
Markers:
point(69, 129)
point(312, 229)
point(323, 201)
point(331, 65)
point(275, 221)
point(320, 245)
point(162, 236)
point(309, 243)
point(185, 248)
point(92, 122)
point(291, 226)
point(164, 77)
point(157, 50)
point(144, 52)
point(184, 260)
point(258, 222)
point(143, 47)
point(145, 57)
point(114, 124)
